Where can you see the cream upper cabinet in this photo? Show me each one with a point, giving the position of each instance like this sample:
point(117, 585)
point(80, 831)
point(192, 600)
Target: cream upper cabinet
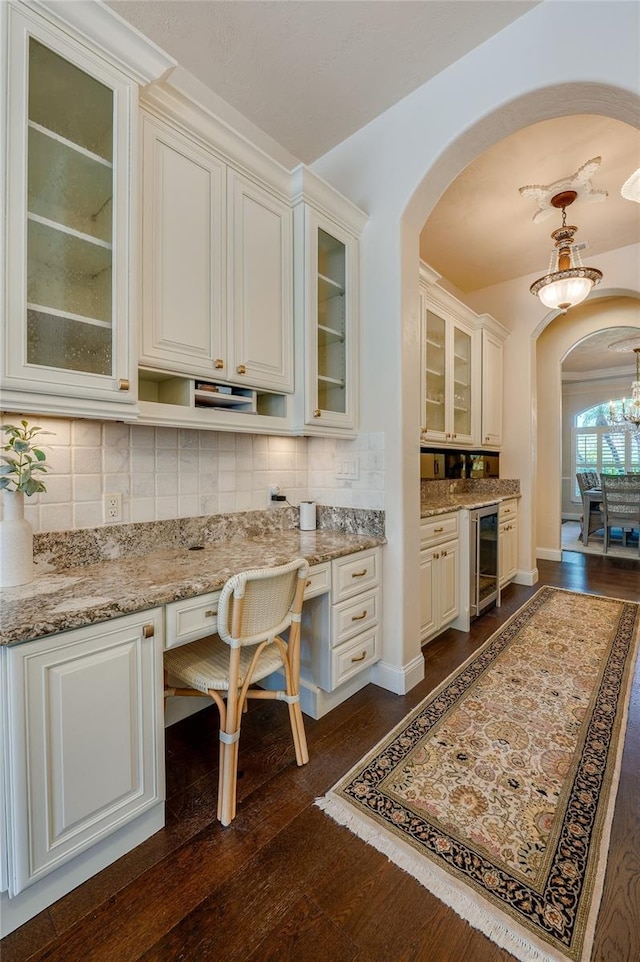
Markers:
point(461, 370)
point(184, 253)
point(259, 286)
point(217, 266)
point(68, 262)
point(449, 371)
point(327, 311)
point(492, 388)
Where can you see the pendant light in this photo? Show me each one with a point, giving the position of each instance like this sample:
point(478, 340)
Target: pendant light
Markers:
point(568, 281)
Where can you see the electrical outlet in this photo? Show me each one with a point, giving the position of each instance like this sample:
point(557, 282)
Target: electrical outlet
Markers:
point(113, 507)
point(271, 491)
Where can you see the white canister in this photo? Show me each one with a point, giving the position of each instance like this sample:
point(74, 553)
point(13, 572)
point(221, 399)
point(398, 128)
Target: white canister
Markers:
point(307, 516)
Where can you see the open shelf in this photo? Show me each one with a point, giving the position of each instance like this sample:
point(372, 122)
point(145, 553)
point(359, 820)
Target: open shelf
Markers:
point(206, 403)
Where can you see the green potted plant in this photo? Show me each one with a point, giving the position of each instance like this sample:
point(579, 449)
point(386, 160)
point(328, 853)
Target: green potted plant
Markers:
point(23, 463)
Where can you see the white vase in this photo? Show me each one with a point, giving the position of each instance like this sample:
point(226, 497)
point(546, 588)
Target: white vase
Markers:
point(16, 543)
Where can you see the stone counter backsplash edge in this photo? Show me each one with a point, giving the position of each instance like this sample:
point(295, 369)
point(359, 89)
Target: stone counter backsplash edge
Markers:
point(58, 550)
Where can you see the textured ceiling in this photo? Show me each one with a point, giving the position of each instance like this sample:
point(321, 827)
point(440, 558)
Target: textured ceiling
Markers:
point(310, 72)
point(498, 240)
point(593, 353)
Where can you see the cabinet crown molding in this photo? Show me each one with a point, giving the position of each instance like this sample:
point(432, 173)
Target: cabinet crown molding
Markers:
point(308, 187)
point(439, 298)
point(167, 100)
point(108, 33)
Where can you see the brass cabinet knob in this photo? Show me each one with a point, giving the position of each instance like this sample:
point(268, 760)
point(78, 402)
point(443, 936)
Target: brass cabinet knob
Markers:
point(123, 384)
point(317, 413)
point(147, 631)
point(218, 364)
point(241, 369)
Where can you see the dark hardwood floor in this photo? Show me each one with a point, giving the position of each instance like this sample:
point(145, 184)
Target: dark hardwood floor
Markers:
point(284, 882)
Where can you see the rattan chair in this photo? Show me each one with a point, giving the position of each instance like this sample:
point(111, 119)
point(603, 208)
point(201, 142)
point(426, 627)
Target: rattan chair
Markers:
point(586, 481)
point(254, 608)
point(621, 503)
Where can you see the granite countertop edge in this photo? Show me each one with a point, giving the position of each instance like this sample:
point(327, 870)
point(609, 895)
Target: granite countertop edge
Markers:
point(87, 594)
point(460, 502)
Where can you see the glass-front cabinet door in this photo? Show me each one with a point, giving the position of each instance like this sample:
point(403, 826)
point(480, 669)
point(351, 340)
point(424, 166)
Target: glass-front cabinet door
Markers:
point(447, 379)
point(461, 383)
point(331, 322)
point(435, 375)
point(68, 258)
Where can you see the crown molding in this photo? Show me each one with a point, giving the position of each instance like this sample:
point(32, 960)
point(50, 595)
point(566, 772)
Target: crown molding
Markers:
point(96, 23)
point(168, 101)
point(308, 187)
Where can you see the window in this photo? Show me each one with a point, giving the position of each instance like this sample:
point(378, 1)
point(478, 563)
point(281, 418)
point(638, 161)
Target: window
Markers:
point(596, 446)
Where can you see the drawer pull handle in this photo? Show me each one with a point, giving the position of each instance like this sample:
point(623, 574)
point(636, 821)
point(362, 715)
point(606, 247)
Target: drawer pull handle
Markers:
point(437, 530)
point(147, 631)
point(359, 617)
point(360, 657)
point(210, 613)
point(359, 574)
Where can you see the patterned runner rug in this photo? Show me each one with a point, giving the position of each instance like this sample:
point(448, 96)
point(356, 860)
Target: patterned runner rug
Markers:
point(497, 792)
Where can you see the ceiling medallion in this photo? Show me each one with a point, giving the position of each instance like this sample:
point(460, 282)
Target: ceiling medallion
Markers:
point(579, 183)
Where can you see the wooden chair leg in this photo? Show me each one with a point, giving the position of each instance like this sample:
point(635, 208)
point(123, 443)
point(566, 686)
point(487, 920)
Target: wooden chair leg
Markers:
point(302, 752)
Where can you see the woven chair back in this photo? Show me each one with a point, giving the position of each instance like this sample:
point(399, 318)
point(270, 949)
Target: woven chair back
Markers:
point(621, 495)
point(266, 598)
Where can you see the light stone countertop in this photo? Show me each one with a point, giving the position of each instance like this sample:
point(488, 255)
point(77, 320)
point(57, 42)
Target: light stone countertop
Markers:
point(86, 594)
point(457, 502)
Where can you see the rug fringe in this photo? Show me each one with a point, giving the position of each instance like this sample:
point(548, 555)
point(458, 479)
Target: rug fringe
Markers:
point(443, 887)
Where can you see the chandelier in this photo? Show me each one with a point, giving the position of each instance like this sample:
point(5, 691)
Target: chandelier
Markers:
point(567, 282)
point(629, 416)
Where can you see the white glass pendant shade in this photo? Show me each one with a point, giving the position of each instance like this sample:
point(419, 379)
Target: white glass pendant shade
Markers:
point(562, 294)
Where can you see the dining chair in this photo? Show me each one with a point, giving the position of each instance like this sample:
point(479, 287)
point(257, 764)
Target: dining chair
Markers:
point(621, 503)
point(254, 609)
point(587, 481)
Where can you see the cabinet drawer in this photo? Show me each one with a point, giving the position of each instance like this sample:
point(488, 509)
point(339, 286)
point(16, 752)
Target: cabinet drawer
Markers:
point(441, 528)
point(354, 616)
point(318, 581)
point(508, 509)
point(353, 656)
point(353, 574)
point(191, 618)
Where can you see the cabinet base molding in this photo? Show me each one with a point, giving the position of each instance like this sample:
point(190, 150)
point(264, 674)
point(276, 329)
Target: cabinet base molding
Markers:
point(398, 679)
point(14, 912)
point(529, 577)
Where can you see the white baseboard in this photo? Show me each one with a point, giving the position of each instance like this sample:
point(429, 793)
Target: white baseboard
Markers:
point(549, 554)
point(530, 577)
point(397, 679)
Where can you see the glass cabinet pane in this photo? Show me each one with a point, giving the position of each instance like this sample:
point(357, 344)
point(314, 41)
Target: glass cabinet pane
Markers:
point(435, 373)
point(332, 368)
point(461, 382)
point(69, 216)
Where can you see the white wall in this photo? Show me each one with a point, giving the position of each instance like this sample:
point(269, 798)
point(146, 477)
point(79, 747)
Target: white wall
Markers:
point(176, 473)
point(396, 168)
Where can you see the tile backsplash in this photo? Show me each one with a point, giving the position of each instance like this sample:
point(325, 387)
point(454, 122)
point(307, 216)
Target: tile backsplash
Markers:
point(165, 473)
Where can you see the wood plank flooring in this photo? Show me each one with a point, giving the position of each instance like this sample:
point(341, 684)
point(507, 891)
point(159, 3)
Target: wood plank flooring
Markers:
point(284, 882)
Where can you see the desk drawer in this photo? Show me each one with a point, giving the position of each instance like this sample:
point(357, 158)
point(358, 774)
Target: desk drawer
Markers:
point(353, 656)
point(191, 618)
point(354, 615)
point(441, 528)
point(353, 574)
point(318, 580)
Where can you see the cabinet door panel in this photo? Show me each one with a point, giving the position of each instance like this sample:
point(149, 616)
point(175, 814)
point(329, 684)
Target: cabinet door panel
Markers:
point(428, 617)
point(260, 287)
point(183, 229)
point(449, 579)
point(492, 381)
point(86, 734)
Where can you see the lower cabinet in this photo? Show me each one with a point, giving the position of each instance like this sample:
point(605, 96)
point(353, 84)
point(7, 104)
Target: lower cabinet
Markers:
point(439, 574)
point(83, 742)
point(507, 540)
